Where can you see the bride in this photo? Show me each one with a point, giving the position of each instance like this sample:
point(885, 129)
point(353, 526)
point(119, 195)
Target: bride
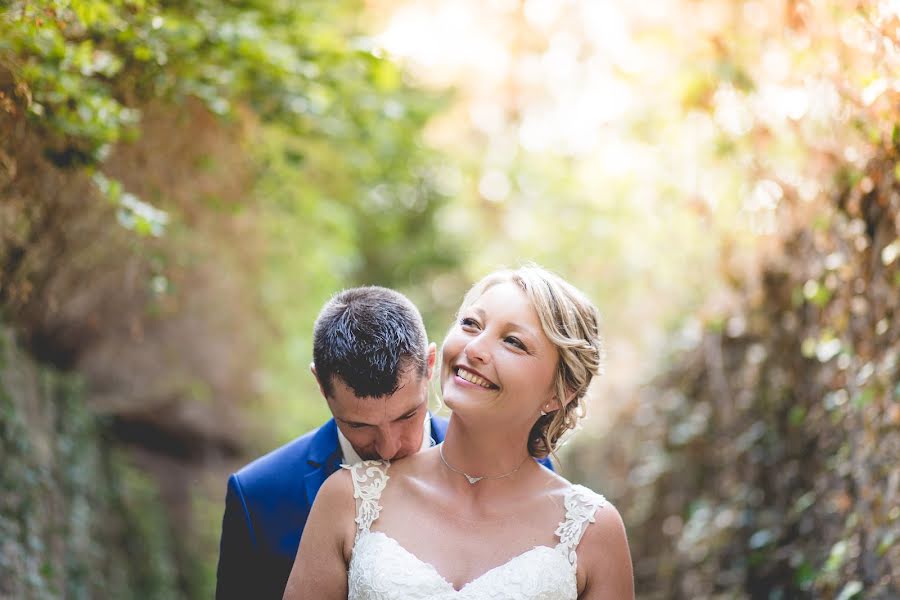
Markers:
point(477, 517)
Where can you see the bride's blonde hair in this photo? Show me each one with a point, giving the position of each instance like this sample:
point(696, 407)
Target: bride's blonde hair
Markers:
point(572, 323)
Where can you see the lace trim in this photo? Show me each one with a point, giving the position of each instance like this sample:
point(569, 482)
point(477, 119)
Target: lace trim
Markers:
point(581, 504)
point(369, 478)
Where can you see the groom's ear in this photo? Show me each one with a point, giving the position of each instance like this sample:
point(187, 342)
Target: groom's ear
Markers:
point(312, 369)
point(432, 360)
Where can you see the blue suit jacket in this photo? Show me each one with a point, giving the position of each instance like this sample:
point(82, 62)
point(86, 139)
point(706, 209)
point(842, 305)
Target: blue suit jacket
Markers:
point(266, 508)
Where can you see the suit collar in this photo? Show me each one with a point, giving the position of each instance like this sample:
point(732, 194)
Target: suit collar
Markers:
point(324, 458)
point(324, 444)
point(438, 429)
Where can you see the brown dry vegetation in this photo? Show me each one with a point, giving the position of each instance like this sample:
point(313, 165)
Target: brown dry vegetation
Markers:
point(764, 464)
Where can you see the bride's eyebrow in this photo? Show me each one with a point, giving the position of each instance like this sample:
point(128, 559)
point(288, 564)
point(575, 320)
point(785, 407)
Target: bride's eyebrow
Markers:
point(520, 327)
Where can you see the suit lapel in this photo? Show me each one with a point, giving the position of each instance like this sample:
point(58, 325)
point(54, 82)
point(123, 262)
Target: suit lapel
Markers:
point(324, 459)
point(438, 429)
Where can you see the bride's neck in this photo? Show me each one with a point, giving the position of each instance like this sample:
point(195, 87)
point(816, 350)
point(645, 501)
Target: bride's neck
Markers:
point(481, 451)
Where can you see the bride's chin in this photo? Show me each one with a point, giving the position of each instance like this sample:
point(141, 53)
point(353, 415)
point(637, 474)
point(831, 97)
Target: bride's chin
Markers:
point(455, 403)
point(462, 404)
point(450, 403)
point(460, 396)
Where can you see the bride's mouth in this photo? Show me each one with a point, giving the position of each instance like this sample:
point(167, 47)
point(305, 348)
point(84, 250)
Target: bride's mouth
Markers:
point(475, 379)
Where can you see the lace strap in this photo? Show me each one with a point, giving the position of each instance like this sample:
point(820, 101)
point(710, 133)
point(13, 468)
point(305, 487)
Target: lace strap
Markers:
point(369, 478)
point(581, 504)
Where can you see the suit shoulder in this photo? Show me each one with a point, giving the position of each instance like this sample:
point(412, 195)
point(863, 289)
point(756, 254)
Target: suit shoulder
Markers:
point(291, 458)
point(296, 449)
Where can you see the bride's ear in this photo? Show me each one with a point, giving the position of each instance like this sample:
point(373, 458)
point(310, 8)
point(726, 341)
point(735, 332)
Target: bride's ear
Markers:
point(551, 405)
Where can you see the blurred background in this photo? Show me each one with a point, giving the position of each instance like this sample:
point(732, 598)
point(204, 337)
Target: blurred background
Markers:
point(184, 184)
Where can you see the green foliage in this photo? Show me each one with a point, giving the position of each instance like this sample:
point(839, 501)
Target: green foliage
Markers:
point(339, 112)
point(83, 67)
point(70, 497)
point(310, 177)
point(344, 191)
point(337, 216)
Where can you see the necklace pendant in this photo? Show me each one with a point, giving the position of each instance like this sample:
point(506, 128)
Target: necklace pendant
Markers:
point(473, 480)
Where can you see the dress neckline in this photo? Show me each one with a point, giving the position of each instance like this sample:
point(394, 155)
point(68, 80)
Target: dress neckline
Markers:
point(370, 478)
point(447, 582)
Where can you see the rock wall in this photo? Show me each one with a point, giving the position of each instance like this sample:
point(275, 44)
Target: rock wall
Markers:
point(69, 496)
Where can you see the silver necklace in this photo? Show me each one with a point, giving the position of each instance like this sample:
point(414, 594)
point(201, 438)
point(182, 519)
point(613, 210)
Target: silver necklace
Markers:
point(473, 480)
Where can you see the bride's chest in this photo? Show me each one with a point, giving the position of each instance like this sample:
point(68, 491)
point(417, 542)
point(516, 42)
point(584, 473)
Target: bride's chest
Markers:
point(382, 569)
point(460, 549)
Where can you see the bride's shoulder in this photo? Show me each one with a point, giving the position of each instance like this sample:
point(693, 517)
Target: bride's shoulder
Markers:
point(563, 489)
point(332, 516)
point(414, 466)
point(585, 505)
point(577, 494)
point(603, 552)
point(337, 490)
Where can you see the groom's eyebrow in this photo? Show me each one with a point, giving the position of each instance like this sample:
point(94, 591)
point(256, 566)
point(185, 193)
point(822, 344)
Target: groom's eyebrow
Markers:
point(405, 415)
point(412, 411)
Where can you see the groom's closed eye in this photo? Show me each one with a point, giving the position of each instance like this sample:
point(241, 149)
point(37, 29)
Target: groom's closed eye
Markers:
point(406, 417)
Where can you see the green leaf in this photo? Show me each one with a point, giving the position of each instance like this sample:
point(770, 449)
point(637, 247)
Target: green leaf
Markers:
point(887, 541)
point(796, 415)
point(836, 557)
point(851, 590)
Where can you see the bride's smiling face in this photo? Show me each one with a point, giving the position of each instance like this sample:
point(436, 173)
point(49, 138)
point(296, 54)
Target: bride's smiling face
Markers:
point(497, 359)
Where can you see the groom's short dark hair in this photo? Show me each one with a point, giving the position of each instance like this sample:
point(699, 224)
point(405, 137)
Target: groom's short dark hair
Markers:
point(369, 337)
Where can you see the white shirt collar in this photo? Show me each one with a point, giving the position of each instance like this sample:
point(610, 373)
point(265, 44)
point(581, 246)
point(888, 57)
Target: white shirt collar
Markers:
point(350, 457)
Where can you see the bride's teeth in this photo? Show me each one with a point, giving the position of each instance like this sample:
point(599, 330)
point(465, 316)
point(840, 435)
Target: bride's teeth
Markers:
point(472, 378)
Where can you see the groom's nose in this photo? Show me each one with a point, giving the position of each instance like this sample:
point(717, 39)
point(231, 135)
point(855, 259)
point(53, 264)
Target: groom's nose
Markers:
point(387, 444)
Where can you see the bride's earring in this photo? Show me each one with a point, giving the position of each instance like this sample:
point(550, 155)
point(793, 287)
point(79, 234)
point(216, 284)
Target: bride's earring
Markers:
point(543, 414)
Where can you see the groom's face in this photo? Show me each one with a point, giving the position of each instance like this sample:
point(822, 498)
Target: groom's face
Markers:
point(387, 427)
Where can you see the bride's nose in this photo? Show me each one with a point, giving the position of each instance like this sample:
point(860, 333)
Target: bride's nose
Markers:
point(477, 349)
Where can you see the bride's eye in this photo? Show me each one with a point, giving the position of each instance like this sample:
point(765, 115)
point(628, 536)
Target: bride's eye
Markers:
point(514, 341)
point(468, 323)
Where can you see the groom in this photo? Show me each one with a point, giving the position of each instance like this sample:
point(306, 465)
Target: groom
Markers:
point(373, 363)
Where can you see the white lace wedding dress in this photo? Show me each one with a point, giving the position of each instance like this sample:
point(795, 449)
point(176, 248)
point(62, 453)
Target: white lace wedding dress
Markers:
point(381, 569)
